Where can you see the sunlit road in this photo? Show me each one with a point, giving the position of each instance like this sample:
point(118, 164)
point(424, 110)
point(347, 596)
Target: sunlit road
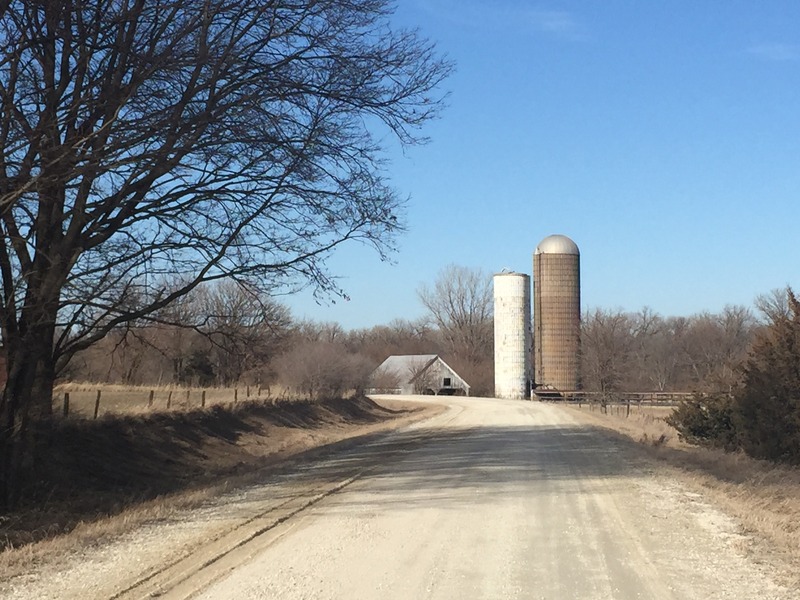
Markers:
point(497, 499)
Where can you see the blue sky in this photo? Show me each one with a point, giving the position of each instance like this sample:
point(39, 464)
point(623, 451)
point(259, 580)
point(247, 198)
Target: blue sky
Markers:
point(663, 138)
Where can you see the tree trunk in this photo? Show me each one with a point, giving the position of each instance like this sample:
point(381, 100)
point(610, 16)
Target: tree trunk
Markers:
point(26, 409)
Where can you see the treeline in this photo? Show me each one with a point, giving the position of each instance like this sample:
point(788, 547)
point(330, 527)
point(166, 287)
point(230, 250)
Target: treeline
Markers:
point(743, 366)
point(644, 351)
point(226, 333)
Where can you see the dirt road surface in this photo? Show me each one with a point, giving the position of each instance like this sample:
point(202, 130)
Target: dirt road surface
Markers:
point(489, 499)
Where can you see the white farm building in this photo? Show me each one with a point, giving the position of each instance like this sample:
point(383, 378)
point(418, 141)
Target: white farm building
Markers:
point(417, 374)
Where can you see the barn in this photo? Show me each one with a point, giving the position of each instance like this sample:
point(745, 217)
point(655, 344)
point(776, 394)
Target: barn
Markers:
point(417, 374)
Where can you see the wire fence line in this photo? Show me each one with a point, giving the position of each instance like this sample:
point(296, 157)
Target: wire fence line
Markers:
point(91, 402)
point(616, 402)
point(580, 396)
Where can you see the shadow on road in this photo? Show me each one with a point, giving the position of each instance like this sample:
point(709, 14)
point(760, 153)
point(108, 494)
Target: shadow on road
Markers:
point(481, 463)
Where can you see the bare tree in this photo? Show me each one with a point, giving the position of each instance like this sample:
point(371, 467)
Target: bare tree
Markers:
point(606, 349)
point(245, 328)
point(313, 331)
point(715, 345)
point(398, 337)
point(460, 304)
point(422, 377)
point(142, 140)
point(738, 326)
point(640, 351)
point(645, 327)
point(320, 370)
point(384, 381)
point(773, 306)
point(663, 357)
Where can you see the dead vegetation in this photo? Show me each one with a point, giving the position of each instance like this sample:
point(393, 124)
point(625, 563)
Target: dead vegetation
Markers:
point(143, 399)
point(763, 496)
point(103, 477)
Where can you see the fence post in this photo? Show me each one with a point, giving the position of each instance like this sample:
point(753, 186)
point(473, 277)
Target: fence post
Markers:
point(628, 410)
point(248, 391)
point(169, 399)
point(150, 399)
point(66, 404)
point(188, 393)
point(203, 399)
point(97, 404)
point(235, 395)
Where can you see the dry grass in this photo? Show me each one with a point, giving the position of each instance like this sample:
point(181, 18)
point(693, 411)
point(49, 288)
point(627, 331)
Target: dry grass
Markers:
point(16, 560)
point(135, 400)
point(763, 496)
point(644, 423)
point(108, 476)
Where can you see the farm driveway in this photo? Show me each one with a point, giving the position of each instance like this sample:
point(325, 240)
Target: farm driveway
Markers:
point(490, 499)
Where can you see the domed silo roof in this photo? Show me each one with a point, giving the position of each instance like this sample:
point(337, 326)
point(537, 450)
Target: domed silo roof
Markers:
point(557, 244)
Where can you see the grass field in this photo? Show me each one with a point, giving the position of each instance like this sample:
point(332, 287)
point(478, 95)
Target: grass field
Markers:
point(125, 399)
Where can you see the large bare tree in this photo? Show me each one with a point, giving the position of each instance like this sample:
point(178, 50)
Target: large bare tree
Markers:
point(460, 305)
point(245, 329)
point(147, 140)
point(607, 341)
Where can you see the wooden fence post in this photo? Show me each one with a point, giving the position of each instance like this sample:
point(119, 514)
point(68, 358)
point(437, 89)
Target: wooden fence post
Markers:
point(97, 404)
point(248, 391)
point(188, 392)
point(66, 404)
point(169, 399)
point(203, 399)
point(150, 399)
point(235, 395)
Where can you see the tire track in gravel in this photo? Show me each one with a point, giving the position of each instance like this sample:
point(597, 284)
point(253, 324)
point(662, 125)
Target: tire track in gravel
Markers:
point(187, 575)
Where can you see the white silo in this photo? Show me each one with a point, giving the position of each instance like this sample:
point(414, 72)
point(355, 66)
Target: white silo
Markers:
point(512, 335)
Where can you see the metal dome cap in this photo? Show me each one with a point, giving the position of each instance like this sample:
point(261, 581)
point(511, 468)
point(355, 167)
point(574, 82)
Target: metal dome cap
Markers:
point(557, 244)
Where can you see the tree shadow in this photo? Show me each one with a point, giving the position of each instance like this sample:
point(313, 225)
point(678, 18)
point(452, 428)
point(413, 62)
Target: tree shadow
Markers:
point(482, 464)
point(93, 469)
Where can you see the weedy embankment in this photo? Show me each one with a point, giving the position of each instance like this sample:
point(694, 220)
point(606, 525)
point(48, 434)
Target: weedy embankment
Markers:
point(104, 476)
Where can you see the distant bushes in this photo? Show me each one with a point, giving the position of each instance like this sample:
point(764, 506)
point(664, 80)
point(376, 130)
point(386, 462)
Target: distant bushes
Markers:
point(762, 414)
point(320, 369)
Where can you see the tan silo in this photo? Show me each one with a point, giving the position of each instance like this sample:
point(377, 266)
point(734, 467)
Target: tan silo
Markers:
point(512, 335)
point(557, 313)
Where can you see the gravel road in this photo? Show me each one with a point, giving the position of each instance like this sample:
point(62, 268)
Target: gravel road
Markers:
point(489, 499)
